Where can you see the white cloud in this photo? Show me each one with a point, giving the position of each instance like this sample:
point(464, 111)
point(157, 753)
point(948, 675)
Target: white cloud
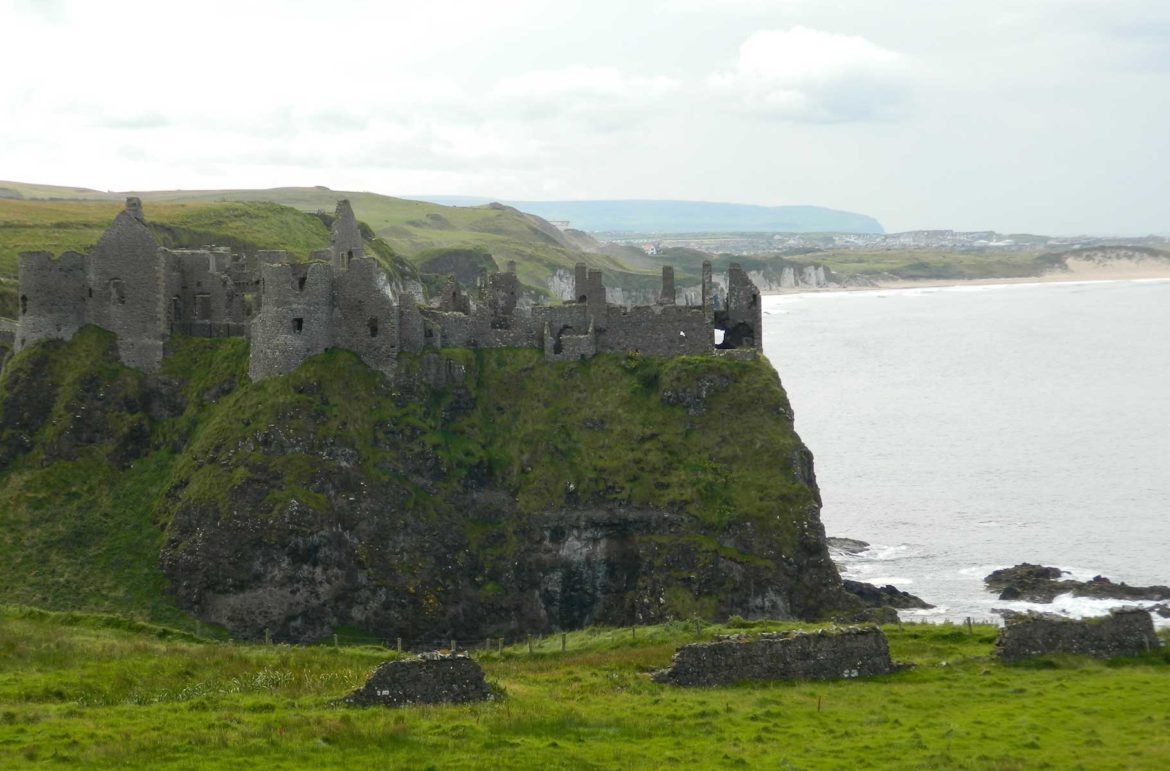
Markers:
point(806, 75)
point(588, 92)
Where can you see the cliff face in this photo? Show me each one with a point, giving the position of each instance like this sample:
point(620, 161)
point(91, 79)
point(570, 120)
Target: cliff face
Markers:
point(482, 493)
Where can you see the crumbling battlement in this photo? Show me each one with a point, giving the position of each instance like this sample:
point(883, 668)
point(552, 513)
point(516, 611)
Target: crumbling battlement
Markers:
point(343, 299)
point(128, 285)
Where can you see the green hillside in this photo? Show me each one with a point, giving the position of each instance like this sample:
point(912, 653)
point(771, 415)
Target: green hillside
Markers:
point(126, 493)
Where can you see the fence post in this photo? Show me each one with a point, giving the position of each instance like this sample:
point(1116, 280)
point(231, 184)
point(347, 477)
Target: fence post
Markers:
point(399, 646)
point(454, 649)
point(267, 636)
point(634, 632)
point(335, 645)
point(198, 631)
point(562, 642)
point(500, 649)
point(530, 645)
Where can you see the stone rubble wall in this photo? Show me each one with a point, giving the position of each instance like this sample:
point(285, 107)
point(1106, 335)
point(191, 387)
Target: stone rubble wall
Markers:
point(830, 654)
point(1124, 632)
point(435, 679)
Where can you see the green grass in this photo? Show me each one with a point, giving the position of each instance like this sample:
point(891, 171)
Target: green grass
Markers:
point(102, 692)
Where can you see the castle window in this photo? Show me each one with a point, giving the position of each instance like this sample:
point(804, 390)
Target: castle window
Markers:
point(202, 307)
point(298, 325)
point(23, 304)
point(91, 291)
point(176, 309)
point(117, 291)
point(301, 283)
point(348, 257)
point(373, 325)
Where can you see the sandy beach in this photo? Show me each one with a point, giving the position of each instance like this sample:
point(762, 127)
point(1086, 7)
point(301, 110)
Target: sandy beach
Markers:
point(1078, 270)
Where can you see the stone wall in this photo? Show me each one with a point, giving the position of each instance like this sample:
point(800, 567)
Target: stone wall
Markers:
point(53, 298)
point(365, 315)
point(204, 300)
point(296, 319)
point(823, 655)
point(127, 280)
point(1125, 632)
point(433, 679)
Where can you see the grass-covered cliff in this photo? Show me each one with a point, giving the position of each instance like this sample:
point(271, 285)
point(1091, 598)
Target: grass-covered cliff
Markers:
point(479, 492)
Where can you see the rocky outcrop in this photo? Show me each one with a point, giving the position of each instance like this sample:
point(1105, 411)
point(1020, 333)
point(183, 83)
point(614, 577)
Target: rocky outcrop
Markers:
point(1039, 583)
point(1124, 632)
point(887, 596)
point(429, 679)
point(830, 654)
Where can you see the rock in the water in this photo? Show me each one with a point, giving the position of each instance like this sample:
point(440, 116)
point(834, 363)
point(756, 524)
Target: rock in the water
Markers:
point(1124, 632)
point(847, 545)
point(822, 655)
point(429, 679)
point(887, 596)
point(1040, 583)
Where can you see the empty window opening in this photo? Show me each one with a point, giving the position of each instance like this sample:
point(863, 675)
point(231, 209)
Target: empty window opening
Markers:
point(202, 307)
point(301, 283)
point(558, 346)
point(176, 309)
point(719, 337)
point(91, 291)
point(373, 325)
point(23, 304)
point(348, 257)
point(298, 325)
point(117, 291)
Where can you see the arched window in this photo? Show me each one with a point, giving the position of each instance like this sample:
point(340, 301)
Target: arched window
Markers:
point(23, 304)
point(301, 283)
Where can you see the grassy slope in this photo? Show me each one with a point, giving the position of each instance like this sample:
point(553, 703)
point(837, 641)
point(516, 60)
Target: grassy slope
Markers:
point(98, 691)
point(80, 529)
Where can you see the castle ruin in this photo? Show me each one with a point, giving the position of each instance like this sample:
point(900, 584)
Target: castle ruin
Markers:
point(143, 293)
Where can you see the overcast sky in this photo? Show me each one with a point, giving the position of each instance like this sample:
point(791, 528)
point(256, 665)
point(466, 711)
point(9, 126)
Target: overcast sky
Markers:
point(1048, 116)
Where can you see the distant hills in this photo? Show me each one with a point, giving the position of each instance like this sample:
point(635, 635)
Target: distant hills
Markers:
point(648, 216)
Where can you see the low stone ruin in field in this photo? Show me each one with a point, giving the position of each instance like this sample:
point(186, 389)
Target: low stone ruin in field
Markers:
point(1124, 632)
point(827, 654)
point(428, 679)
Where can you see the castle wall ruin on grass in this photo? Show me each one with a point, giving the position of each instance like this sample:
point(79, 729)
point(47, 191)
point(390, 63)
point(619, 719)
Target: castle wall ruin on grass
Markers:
point(826, 654)
point(343, 299)
point(1124, 632)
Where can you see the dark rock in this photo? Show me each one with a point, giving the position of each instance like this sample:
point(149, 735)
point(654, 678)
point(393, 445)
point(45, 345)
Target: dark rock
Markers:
point(1124, 632)
point(822, 655)
point(847, 545)
point(888, 596)
point(429, 679)
point(1038, 583)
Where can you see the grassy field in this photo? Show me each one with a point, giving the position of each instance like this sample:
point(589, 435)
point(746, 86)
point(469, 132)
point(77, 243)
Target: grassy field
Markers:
point(102, 691)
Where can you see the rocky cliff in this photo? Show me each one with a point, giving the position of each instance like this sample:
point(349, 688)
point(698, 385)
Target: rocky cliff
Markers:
point(481, 493)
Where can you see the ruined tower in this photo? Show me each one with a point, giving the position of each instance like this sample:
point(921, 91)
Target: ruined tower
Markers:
point(347, 237)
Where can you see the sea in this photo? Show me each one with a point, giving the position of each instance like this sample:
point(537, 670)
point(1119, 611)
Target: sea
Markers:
point(957, 430)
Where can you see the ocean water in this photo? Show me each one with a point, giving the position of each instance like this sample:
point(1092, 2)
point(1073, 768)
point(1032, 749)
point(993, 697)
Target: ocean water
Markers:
point(963, 429)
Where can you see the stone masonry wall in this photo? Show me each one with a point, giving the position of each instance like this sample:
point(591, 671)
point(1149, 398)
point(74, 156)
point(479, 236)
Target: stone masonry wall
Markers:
point(1125, 632)
point(296, 320)
point(52, 297)
point(822, 655)
point(127, 280)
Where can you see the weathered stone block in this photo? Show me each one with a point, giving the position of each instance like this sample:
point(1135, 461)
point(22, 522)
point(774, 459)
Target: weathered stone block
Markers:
point(429, 679)
point(1124, 632)
point(827, 654)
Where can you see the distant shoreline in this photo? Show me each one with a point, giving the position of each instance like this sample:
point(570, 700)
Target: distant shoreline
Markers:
point(1078, 271)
